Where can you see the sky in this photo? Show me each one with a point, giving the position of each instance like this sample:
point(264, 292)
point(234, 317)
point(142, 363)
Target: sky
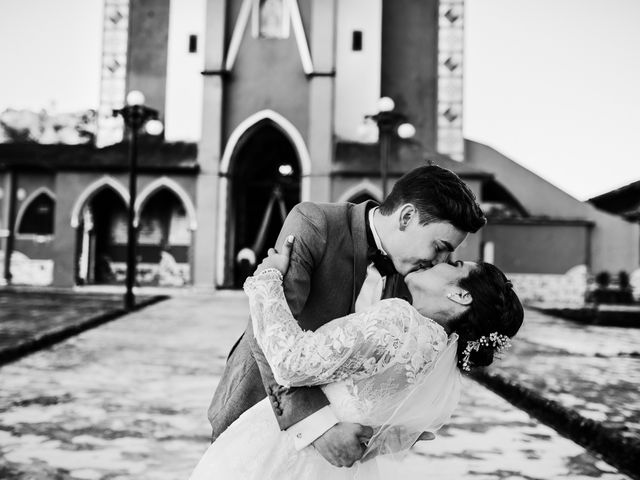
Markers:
point(555, 86)
point(50, 54)
point(552, 84)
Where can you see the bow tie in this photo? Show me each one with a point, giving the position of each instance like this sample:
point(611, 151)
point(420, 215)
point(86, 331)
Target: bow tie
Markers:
point(382, 262)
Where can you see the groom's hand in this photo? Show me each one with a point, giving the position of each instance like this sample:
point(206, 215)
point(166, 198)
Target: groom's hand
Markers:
point(344, 443)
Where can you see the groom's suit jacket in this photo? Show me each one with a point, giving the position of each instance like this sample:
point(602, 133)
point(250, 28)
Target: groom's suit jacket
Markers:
point(327, 269)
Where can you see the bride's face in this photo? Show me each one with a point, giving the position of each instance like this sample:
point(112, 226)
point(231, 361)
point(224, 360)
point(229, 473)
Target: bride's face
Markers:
point(429, 288)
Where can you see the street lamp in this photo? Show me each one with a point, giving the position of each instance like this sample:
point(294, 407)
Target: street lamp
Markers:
point(389, 122)
point(135, 115)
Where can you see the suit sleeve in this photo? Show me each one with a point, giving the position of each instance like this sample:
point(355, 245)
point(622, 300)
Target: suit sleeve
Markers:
point(308, 224)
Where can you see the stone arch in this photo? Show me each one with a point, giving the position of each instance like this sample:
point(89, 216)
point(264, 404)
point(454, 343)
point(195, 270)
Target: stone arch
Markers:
point(27, 203)
point(304, 160)
point(93, 189)
point(287, 127)
point(174, 187)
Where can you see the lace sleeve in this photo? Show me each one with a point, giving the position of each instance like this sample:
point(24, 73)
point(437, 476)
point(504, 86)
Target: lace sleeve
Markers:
point(356, 346)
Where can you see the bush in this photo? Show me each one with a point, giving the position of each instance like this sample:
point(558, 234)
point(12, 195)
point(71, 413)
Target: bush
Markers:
point(603, 279)
point(623, 280)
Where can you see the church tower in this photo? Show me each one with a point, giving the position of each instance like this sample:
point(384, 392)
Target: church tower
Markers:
point(278, 96)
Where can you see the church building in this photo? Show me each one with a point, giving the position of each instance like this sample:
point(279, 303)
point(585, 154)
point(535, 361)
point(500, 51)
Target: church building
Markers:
point(267, 103)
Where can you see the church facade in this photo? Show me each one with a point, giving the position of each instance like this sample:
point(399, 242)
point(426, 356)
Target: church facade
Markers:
point(267, 103)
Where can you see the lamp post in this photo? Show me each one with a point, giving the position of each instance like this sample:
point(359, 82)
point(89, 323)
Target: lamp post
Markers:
point(389, 122)
point(135, 115)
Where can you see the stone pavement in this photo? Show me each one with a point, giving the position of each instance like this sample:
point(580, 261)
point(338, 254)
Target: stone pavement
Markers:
point(31, 319)
point(594, 370)
point(128, 401)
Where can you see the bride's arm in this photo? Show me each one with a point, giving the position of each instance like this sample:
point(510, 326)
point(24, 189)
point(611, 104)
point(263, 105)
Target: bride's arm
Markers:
point(358, 345)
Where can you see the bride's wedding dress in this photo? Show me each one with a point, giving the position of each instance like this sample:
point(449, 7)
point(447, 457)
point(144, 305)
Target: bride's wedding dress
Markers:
point(387, 367)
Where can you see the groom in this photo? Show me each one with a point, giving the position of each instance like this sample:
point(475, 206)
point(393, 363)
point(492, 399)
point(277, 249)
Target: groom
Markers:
point(345, 258)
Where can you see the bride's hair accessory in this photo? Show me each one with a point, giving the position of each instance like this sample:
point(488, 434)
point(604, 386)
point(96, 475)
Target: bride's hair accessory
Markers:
point(499, 342)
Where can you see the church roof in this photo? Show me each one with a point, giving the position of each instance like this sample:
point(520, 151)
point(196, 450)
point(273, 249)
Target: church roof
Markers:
point(624, 201)
point(539, 220)
point(356, 159)
point(153, 155)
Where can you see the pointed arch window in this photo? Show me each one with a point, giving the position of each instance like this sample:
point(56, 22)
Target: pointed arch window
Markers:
point(37, 218)
point(270, 19)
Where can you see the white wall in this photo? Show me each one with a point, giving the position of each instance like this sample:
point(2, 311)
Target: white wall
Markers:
point(183, 109)
point(615, 241)
point(357, 73)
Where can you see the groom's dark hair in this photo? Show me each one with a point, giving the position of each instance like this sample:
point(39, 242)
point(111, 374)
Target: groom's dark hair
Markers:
point(439, 196)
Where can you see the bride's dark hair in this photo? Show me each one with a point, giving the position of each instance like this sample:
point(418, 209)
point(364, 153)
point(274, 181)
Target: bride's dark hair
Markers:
point(495, 308)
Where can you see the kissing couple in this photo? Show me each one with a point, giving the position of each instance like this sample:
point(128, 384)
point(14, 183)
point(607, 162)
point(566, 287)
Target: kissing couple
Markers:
point(360, 328)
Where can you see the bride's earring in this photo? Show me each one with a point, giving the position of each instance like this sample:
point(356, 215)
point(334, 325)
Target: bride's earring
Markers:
point(462, 298)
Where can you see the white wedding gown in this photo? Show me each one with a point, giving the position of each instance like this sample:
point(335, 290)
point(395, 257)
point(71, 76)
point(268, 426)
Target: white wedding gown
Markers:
point(387, 367)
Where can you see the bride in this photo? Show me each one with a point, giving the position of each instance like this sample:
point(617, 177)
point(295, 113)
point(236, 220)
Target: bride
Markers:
point(395, 367)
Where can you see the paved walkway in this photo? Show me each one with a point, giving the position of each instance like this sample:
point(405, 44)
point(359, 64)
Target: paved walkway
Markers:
point(592, 369)
point(31, 319)
point(128, 401)
point(26, 314)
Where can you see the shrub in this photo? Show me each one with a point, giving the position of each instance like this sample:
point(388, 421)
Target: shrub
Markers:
point(623, 280)
point(603, 279)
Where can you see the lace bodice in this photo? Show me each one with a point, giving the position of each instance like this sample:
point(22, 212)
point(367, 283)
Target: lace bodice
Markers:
point(367, 358)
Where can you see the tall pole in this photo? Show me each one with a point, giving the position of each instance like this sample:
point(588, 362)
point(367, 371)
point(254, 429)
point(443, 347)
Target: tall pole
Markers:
point(384, 159)
point(11, 223)
point(388, 122)
point(129, 299)
point(135, 116)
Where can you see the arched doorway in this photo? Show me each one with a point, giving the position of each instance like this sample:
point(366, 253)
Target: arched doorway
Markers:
point(164, 240)
point(102, 239)
point(264, 177)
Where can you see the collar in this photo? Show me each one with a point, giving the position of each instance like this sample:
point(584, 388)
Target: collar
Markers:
point(374, 233)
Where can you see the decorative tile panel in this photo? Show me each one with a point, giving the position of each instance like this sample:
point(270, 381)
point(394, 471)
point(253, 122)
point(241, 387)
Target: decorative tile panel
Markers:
point(114, 71)
point(450, 74)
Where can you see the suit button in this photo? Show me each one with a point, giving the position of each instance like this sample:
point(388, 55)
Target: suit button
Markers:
point(299, 436)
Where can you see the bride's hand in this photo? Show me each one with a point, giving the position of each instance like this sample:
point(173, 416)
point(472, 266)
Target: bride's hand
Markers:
point(278, 260)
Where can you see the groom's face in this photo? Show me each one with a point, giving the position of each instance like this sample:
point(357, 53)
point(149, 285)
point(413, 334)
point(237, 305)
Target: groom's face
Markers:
point(422, 246)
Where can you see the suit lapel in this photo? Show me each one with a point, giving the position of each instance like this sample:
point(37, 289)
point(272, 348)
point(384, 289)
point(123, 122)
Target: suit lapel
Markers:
point(359, 239)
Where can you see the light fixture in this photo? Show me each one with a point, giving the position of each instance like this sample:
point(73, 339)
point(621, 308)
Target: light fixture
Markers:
point(135, 97)
point(386, 104)
point(136, 115)
point(389, 123)
point(406, 130)
point(154, 127)
point(285, 170)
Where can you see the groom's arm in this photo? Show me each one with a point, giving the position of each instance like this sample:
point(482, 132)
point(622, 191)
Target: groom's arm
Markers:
point(305, 412)
point(293, 406)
